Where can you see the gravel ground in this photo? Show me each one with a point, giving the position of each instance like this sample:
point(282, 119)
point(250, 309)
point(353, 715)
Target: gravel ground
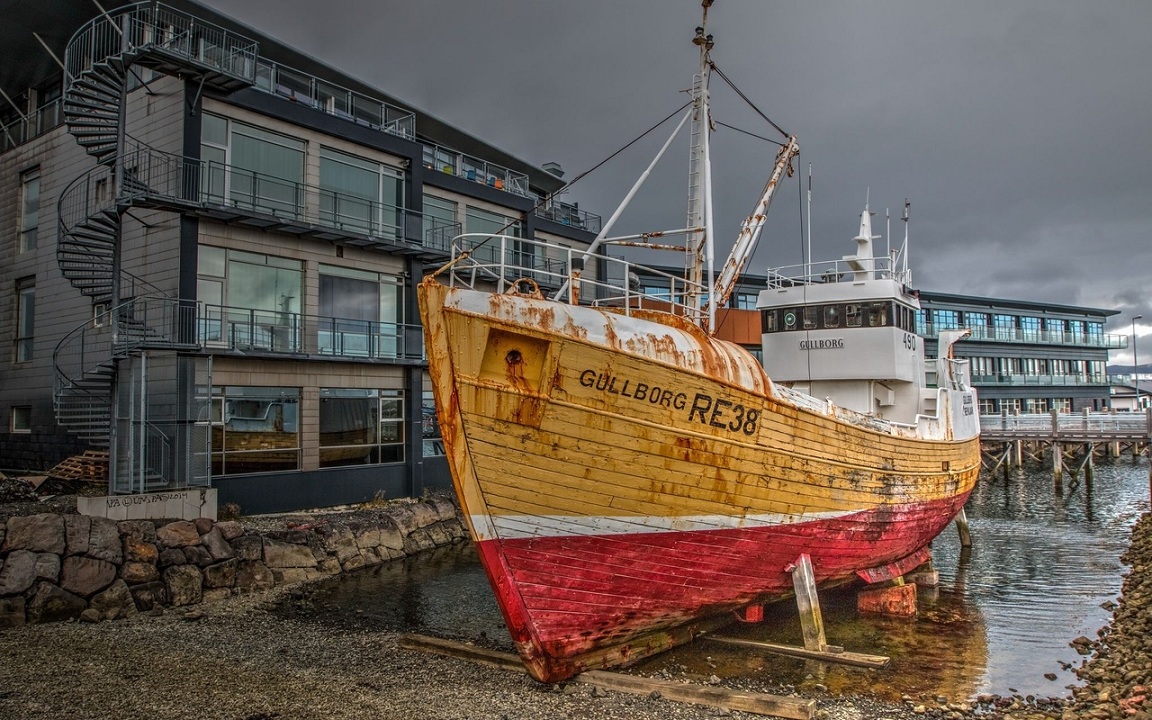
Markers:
point(243, 659)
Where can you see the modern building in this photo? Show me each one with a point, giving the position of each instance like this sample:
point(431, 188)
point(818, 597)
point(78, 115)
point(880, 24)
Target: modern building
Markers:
point(1026, 357)
point(210, 246)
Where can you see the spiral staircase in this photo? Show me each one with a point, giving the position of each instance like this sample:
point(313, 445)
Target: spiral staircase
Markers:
point(101, 60)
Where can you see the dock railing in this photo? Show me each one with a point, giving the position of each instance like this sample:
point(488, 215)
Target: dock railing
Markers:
point(1085, 426)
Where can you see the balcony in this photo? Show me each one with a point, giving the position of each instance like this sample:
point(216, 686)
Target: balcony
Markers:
point(1023, 380)
point(311, 91)
point(571, 215)
point(166, 322)
point(985, 333)
point(31, 126)
point(477, 170)
point(234, 195)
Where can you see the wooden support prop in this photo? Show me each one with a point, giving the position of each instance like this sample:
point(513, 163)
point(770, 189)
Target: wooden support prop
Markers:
point(962, 528)
point(758, 703)
point(808, 603)
point(830, 653)
point(456, 649)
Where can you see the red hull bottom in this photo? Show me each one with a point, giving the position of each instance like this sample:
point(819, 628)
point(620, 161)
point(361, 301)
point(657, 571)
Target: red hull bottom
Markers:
point(569, 600)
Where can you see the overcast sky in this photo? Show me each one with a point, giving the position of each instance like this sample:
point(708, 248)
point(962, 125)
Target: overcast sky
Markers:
point(1020, 130)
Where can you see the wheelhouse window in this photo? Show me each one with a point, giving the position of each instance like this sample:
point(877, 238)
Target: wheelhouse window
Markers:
point(361, 313)
point(361, 427)
point(29, 208)
point(255, 429)
point(25, 318)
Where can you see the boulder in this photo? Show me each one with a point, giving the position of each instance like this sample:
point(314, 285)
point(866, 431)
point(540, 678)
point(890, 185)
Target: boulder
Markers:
point(140, 550)
point(404, 518)
point(185, 585)
point(248, 547)
point(330, 566)
point(342, 543)
point(287, 555)
point(425, 514)
point(53, 604)
point(253, 575)
point(197, 555)
point(353, 563)
point(181, 533)
point(417, 541)
point(445, 509)
point(387, 534)
point(137, 573)
point(216, 594)
point(149, 595)
point(171, 556)
point(138, 530)
point(85, 576)
point(116, 601)
point(213, 541)
point(18, 572)
point(90, 616)
point(230, 529)
point(47, 567)
point(203, 525)
point(220, 575)
point(77, 529)
point(38, 533)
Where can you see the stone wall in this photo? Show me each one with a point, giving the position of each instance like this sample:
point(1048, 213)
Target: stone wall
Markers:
point(62, 567)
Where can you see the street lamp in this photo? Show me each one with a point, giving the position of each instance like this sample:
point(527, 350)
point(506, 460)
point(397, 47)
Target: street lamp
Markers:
point(1135, 365)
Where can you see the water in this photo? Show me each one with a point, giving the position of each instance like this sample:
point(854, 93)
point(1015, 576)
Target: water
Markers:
point(1004, 614)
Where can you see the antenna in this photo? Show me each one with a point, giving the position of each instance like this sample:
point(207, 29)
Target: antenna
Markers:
point(808, 247)
point(904, 249)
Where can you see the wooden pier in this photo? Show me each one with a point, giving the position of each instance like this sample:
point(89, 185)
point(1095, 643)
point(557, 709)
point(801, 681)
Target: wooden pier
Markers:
point(1071, 441)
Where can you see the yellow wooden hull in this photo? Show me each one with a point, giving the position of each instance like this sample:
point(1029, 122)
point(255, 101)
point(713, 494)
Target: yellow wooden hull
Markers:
point(626, 480)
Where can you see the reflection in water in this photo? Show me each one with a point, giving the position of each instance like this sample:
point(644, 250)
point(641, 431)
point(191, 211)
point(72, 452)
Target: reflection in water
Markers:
point(1040, 566)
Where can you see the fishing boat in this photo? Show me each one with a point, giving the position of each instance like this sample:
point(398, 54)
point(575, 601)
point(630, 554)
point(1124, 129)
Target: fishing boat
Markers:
point(631, 480)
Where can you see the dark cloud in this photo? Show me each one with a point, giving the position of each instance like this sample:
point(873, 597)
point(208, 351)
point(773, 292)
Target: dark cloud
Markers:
point(1019, 130)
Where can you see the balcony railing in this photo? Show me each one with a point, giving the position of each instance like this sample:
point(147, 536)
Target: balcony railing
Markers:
point(477, 170)
point(161, 178)
point(572, 215)
point(153, 26)
point(311, 91)
point(1032, 337)
point(31, 126)
point(1025, 380)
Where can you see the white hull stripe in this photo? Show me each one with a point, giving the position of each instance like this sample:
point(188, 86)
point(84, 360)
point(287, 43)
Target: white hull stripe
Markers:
point(514, 527)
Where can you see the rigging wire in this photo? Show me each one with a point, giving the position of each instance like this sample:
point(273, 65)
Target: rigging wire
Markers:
point(744, 97)
point(777, 143)
point(524, 215)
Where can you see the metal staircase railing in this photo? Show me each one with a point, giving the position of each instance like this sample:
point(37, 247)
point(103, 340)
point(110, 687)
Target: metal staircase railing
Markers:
point(97, 61)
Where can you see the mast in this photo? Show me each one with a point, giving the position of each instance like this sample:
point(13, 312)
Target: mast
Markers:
point(699, 173)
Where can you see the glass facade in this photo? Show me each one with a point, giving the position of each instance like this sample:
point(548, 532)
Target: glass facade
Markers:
point(361, 195)
point(361, 427)
point(255, 429)
point(360, 313)
point(249, 299)
point(252, 168)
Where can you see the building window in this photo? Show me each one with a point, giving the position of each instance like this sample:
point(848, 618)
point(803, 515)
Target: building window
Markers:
point(361, 195)
point(255, 429)
point(490, 223)
point(430, 426)
point(440, 222)
point(361, 427)
point(21, 421)
point(25, 318)
point(249, 300)
point(1005, 327)
point(29, 208)
point(361, 313)
point(1030, 329)
point(250, 167)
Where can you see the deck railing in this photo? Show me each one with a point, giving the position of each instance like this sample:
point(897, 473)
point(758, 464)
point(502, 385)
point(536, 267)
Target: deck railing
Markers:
point(562, 272)
point(471, 168)
point(32, 125)
point(833, 271)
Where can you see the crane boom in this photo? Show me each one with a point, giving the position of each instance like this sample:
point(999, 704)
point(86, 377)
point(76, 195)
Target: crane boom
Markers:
point(750, 230)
